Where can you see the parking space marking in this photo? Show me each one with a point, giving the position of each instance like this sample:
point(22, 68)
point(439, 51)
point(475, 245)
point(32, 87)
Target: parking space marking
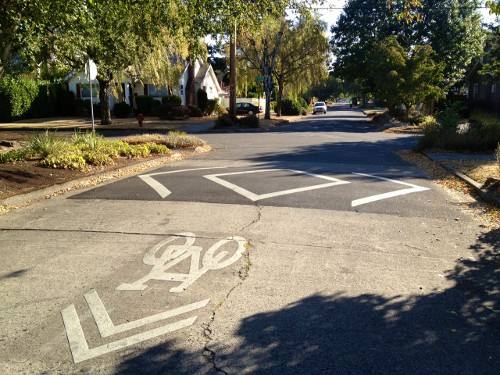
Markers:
point(162, 189)
point(255, 197)
point(413, 189)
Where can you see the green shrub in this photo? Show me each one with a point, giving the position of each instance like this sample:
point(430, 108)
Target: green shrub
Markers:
point(212, 106)
point(224, 121)
point(122, 110)
point(449, 117)
point(290, 107)
point(13, 156)
point(144, 104)
point(44, 145)
point(68, 158)
point(194, 111)
point(16, 97)
point(176, 139)
point(250, 121)
point(173, 112)
point(158, 149)
point(202, 97)
point(97, 157)
point(171, 99)
point(302, 102)
point(88, 140)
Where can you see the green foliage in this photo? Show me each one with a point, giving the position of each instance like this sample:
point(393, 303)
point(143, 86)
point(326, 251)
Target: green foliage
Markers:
point(88, 140)
point(302, 102)
point(290, 107)
point(68, 157)
point(44, 145)
point(144, 104)
point(13, 156)
point(158, 149)
point(53, 99)
point(474, 136)
point(194, 111)
point(448, 118)
point(250, 121)
point(173, 112)
point(176, 139)
point(224, 121)
point(171, 99)
point(202, 97)
point(16, 97)
point(402, 78)
point(122, 110)
point(212, 106)
point(97, 156)
point(452, 28)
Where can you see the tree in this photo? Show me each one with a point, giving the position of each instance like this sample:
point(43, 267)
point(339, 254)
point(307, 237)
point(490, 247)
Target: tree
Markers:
point(301, 60)
point(451, 27)
point(405, 78)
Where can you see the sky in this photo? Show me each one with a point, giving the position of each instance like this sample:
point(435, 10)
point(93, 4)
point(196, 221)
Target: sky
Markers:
point(330, 15)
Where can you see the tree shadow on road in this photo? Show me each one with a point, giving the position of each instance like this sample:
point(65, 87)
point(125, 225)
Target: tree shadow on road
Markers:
point(452, 331)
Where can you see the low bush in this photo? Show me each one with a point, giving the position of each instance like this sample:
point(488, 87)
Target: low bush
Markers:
point(13, 156)
point(122, 110)
point(250, 121)
point(171, 99)
point(194, 111)
point(176, 139)
point(221, 110)
point(212, 107)
point(475, 136)
point(224, 121)
point(44, 145)
point(290, 107)
point(144, 104)
point(449, 117)
point(68, 158)
point(202, 97)
point(173, 112)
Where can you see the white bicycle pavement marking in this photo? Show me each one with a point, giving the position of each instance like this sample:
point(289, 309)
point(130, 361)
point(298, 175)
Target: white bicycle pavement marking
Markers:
point(78, 343)
point(255, 197)
point(413, 189)
point(174, 254)
point(162, 189)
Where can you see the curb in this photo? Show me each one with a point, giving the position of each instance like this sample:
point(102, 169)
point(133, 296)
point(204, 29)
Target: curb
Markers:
point(483, 194)
point(22, 200)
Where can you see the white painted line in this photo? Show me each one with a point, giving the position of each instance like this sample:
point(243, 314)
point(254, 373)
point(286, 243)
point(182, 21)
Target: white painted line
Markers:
point(159, 187)
point(174, 254)
point(80, 349)
point(413, 189)
point(255, 197)
point(107, 328)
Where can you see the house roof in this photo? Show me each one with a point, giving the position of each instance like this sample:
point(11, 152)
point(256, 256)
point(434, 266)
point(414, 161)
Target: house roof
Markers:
point(202, 72)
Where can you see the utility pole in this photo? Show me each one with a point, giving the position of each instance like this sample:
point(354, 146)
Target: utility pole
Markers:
point(232, 75)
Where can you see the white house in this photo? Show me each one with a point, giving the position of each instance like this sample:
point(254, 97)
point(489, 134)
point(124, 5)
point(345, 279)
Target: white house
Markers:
point(204, 78)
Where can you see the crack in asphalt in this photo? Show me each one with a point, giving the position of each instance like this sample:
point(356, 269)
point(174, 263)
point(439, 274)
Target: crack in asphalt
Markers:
point(257, 219)
point(209, 354)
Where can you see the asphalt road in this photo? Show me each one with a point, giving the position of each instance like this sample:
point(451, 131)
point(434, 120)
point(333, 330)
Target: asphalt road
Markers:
point(311, 249)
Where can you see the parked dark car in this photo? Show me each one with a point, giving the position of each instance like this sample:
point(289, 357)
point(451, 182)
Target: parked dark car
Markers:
point(245, 108)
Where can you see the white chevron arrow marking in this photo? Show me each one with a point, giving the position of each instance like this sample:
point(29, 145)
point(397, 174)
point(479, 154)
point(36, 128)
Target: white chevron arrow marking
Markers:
point(76, 338)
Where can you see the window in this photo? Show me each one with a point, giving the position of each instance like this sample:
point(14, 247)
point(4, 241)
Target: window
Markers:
point(85, 90)
point(475, 92)
point(157, 91)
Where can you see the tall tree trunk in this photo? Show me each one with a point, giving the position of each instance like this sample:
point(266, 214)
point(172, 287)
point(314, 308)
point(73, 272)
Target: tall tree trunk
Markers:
point(190, 85)
point(232, 74)
point(104, 93)
point(279, 102)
